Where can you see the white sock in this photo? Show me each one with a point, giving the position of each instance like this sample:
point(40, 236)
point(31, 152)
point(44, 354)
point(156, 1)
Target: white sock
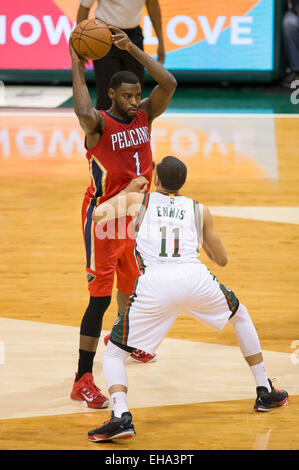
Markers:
point(119, 403)
point(259, 373)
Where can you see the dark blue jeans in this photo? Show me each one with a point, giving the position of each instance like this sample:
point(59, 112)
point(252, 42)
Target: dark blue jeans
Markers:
point(291, 39)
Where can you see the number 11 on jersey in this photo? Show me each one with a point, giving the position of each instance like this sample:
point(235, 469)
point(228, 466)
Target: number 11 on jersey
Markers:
point(176, 232)
point(136, 157)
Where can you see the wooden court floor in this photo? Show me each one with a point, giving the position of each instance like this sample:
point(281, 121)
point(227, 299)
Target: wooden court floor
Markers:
point(244, 164)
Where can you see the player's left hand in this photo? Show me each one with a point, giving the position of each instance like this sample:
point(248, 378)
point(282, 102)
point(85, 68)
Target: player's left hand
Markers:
point(119, 38)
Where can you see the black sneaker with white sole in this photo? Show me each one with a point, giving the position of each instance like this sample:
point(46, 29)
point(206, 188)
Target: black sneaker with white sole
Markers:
point(266, 401)
point(115, 428)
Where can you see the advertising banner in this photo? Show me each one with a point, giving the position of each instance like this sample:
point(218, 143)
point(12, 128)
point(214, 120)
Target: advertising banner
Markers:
point(198, 35)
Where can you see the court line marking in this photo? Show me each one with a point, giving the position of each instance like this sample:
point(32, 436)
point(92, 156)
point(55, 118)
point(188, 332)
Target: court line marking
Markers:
point(281, 214)
point(167, 114)
point(220, 115)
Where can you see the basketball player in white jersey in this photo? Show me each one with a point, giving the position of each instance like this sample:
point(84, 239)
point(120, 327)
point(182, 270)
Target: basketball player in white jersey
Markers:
point(169, 231)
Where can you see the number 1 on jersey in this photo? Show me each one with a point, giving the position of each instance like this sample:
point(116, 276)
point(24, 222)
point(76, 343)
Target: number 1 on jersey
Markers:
point(136, 157)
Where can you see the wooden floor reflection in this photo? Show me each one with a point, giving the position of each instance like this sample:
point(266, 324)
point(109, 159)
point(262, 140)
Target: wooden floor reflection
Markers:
point(229, 425)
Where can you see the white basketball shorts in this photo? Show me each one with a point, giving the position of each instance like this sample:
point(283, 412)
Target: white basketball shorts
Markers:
point(162, 293)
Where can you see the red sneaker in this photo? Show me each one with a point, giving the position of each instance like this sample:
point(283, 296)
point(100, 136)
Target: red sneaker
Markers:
point(106, 339)
point(141, 356)
point(88, 393)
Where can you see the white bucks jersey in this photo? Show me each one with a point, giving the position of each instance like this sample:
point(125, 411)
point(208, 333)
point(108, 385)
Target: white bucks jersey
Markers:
point(168, 230)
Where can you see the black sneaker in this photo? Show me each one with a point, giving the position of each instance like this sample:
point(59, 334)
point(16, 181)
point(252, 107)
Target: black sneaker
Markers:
point(116, 428)
point(266, 401)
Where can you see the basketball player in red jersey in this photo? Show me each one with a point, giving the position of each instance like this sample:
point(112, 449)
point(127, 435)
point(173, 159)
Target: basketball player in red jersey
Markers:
point(118, 150)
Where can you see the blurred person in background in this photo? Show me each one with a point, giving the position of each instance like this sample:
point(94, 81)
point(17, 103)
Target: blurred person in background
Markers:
point(125, 15)
point(290, 27)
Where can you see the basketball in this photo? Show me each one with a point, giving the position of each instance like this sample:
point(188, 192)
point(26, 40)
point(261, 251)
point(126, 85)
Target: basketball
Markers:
point(91, 39)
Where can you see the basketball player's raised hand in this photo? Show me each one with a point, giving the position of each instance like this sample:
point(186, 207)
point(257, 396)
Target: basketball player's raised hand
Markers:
point(137, 185)
point(75, 57)
point(120, 38)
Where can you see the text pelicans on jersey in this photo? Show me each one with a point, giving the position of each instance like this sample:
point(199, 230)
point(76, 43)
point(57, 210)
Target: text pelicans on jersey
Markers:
point(130, 138)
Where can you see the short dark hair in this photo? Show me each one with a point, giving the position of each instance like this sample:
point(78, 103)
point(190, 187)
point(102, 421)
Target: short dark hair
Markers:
point(124, 76)
point(172, 173)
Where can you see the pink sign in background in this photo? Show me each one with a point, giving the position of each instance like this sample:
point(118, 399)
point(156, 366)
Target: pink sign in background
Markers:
point(36, 39)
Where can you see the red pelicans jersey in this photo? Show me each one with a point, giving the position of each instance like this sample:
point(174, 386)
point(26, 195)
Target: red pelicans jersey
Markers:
point(122, 153)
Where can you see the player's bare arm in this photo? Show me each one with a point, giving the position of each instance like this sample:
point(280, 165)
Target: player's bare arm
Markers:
point(126, 202)
point(91, 120)
point(161, 95)
point(212, 244)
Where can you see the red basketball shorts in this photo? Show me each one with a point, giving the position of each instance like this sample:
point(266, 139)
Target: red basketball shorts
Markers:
point(107, 256)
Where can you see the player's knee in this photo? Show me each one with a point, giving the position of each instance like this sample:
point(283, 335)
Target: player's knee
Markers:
point(241, 314)
point(113, 351)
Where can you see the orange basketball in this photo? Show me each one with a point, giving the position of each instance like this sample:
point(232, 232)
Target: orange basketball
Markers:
point(92, 39)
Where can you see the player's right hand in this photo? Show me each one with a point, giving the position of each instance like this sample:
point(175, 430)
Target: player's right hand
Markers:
point(119, 38)
point(137, 185)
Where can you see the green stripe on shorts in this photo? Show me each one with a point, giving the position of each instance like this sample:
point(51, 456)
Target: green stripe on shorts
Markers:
point(231, 299)
point(120, 330)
